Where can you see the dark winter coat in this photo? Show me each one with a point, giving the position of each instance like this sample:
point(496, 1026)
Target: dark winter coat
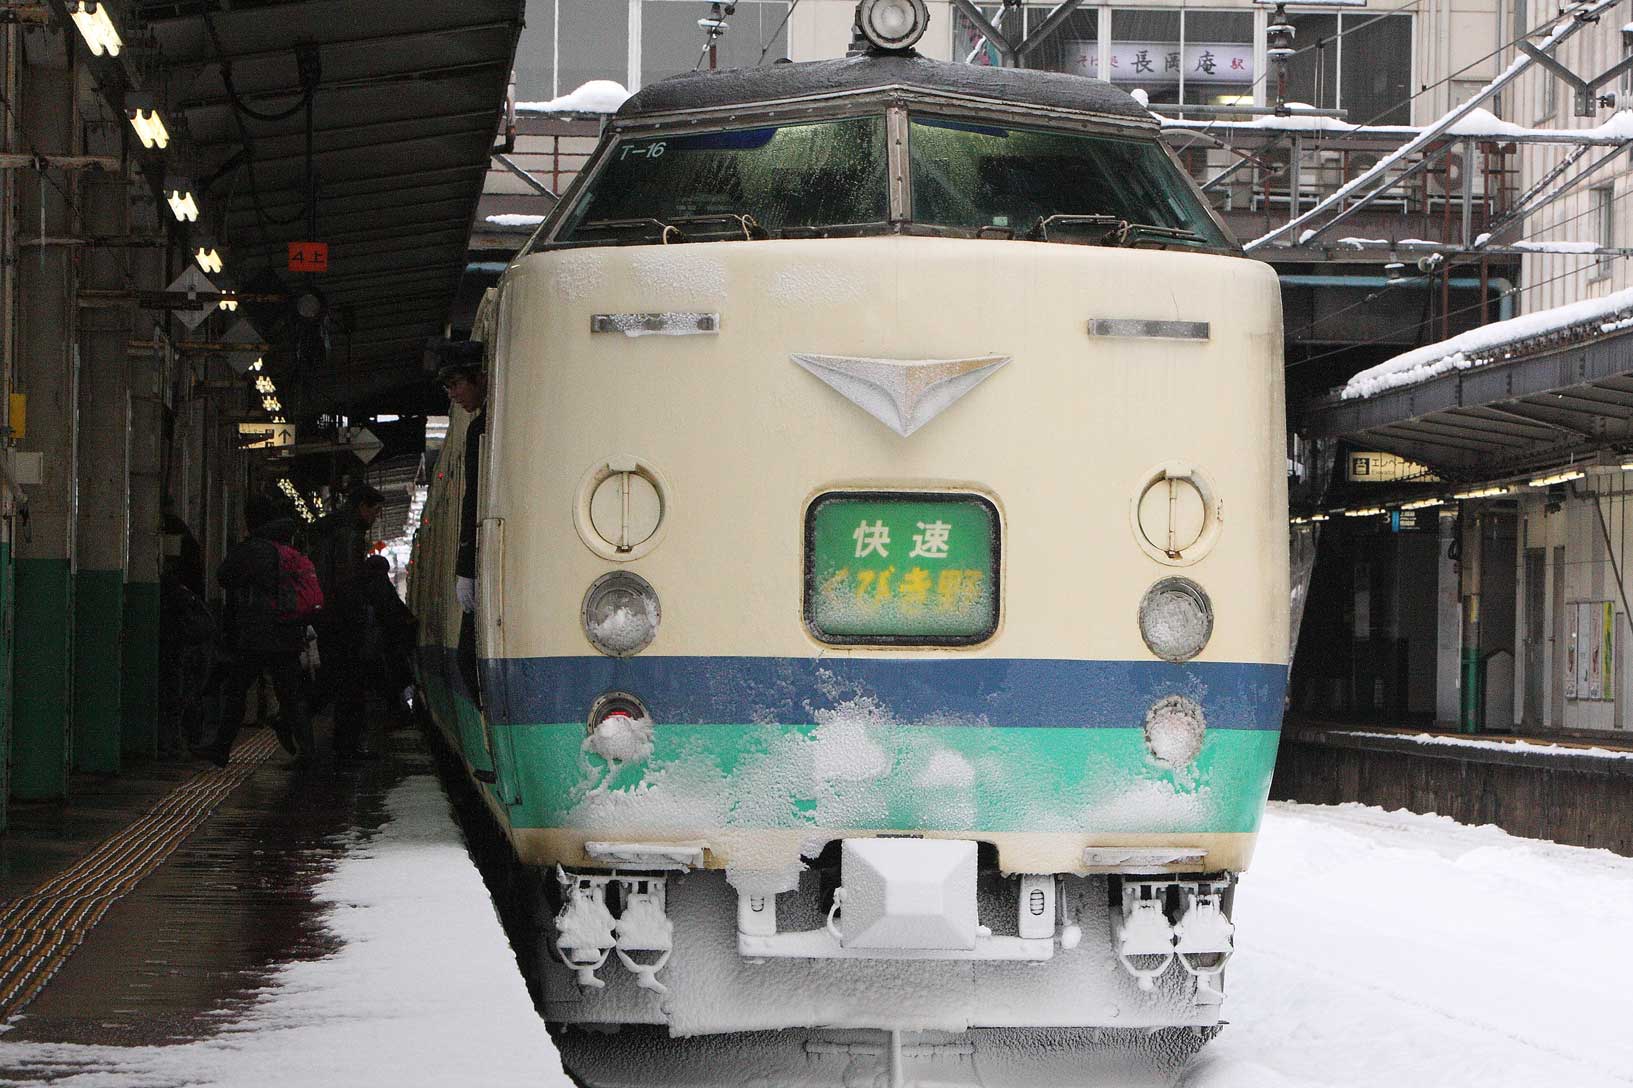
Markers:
point(465, 562)
point(249, 575)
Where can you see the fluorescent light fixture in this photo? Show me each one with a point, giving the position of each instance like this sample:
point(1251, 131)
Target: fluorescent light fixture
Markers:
point(143, 112)
point(100, 35)
point(209, 259)
point(1422, 504)
point(228, 303)
point(1320, 517)
point(179, 195)
point(1364, 512)
point(1486, 492)
point(1562, 477)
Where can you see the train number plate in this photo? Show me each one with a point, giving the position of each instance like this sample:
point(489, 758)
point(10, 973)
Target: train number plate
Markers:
point(902, 568)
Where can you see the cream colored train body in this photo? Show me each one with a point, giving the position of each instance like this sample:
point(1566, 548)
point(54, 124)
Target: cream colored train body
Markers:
point(1033, 794)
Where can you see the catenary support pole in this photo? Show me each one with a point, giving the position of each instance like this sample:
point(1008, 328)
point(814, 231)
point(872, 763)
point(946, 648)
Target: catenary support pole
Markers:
point(47, 374)
point(104, 470)
point(143, 704)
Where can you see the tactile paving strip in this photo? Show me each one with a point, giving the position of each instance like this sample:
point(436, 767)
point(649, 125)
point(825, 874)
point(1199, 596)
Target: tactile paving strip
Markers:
point(41, 929)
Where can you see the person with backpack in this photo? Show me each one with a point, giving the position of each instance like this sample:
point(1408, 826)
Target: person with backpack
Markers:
point(272, 594)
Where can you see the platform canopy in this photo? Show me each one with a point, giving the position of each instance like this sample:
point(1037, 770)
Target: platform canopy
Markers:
point(1539, 390)
point(407, 100)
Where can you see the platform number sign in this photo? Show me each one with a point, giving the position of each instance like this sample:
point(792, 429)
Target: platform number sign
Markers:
point(308, 256)
point(901, 568)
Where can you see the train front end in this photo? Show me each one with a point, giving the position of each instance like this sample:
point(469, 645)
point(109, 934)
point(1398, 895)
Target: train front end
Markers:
point(883, 574)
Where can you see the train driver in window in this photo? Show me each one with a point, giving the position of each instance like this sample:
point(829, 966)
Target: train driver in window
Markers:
point(467, 385)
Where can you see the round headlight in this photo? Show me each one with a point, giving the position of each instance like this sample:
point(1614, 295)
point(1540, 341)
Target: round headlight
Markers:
point(1176, 619)
point(892, 24)
point(1173, 730)
point(621, 614)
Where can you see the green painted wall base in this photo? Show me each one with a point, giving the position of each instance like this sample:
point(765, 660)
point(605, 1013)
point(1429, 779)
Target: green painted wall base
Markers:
point(41, 743)
point(99, 617)
point(140, 685)
point(7, 601)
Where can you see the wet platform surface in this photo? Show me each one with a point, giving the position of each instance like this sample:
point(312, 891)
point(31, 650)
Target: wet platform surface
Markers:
point(183, 951)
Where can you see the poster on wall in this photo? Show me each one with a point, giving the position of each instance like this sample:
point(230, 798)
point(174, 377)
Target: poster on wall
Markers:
point(1595, 627)
point(1572, 615)
point(1607, 642)
point(1582, 644)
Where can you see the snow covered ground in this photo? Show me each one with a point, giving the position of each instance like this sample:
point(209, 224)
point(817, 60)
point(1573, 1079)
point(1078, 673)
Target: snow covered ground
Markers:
point(1374, 949)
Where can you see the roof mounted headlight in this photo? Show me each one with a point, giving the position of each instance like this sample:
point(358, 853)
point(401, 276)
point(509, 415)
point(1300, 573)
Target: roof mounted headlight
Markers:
point(892, 24)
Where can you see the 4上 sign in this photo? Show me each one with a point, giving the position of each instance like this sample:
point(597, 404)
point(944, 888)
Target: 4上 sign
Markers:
point(308, 256)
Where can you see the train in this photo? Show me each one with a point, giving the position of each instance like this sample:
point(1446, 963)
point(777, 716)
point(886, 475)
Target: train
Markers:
point(881, 623)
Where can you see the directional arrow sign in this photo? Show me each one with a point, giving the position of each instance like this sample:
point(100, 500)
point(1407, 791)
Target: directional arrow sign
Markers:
point(365, 444)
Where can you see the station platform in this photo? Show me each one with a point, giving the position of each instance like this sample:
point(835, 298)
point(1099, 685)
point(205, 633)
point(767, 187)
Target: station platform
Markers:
point(155, 915)
point(1574, 788)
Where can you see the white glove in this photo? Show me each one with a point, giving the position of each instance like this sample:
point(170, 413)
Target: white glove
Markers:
point(465, 590)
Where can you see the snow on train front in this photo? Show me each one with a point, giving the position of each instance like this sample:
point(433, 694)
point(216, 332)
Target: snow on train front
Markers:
point(863, 643)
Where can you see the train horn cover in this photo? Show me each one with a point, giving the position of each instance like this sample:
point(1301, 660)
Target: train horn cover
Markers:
point(892, 24)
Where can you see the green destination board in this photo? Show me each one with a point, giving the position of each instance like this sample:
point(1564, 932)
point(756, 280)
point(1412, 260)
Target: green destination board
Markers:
point(901, 568)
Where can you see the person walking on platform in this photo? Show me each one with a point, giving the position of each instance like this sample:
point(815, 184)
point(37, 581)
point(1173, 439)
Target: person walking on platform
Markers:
point(383, 626)
point(271, 595)
point(467, 385)
point(341, 543)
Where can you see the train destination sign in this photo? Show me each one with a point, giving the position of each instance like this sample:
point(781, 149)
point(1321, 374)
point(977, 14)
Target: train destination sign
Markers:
point(904, 568)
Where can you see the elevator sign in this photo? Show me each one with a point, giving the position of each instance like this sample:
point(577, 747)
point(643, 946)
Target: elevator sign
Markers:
point(308, 256)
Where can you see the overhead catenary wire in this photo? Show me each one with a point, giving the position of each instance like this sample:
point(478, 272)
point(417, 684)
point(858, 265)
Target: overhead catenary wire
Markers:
point(1375, 295)
point(769, 42)
point(1380, 339)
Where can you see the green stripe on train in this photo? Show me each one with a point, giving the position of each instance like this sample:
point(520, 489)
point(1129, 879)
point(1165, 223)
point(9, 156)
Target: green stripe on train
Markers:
point(886, 776)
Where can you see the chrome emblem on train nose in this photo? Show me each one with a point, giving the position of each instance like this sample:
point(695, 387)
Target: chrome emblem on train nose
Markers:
point(903, 394)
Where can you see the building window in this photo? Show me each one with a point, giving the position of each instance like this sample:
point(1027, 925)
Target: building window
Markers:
point(1186, 57)
point(1072, 47)
point(567, 43)
point(1360, 62)
point(1604, 222)
point(672, 42)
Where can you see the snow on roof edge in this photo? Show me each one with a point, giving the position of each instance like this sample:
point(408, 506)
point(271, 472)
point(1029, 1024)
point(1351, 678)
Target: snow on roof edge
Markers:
point(1492, 343)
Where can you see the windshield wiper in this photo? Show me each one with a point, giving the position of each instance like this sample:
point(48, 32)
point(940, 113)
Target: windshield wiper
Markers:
point(1144, 231)
point(1039, 231)
point(1119, 232)
point(671, 231)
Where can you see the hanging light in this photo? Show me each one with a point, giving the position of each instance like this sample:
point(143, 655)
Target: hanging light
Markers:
point(178, 193)
point(209, 259)
point(257, 364)
point(101, 36)
point(144, 118)
point(228, 303)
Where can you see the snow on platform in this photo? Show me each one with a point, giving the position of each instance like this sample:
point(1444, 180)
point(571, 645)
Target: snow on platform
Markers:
point(1373, 948)
point(1386, 948)
point(424, 990)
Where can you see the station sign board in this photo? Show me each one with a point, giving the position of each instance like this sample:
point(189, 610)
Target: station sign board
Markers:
point(1377, 467)
point(265, 436)
point(308, 256)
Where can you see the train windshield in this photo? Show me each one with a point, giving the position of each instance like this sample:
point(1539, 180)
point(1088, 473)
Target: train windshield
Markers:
point(747, 182)
point(1052, 185)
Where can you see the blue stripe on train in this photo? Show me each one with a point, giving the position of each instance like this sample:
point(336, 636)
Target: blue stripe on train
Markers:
point(1008, 692)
